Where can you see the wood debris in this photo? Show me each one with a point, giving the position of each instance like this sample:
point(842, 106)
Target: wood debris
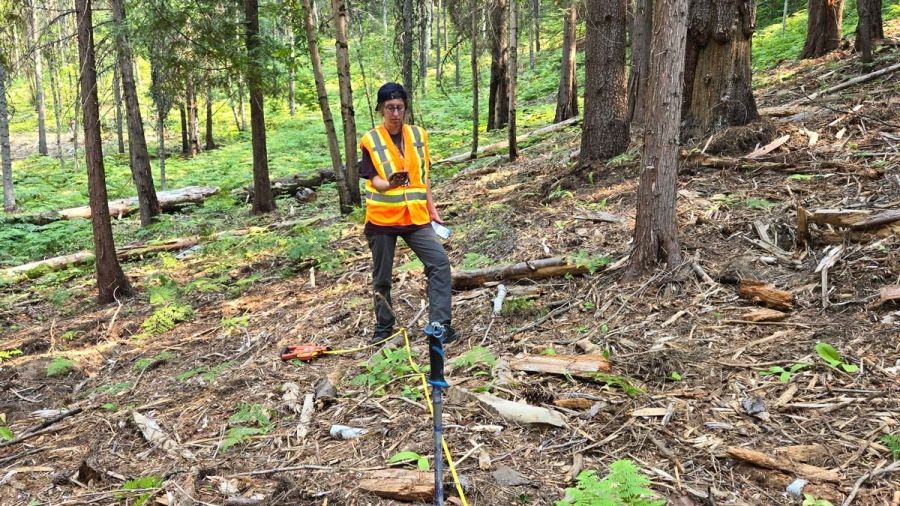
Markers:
point(561, 364)
point(805, 471)
point(764, 315)
point(522, 412)
point(399, 484)
point(536, 269)
point(158, 438)
point(766, 294)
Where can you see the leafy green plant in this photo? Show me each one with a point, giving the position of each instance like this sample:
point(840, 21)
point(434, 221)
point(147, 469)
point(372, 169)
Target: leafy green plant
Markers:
point(625, 485)
point(315, 244)
point(831, 356)
point(166, 318)
point(549, 352)
point(144, 363)
point(473, 261)
point(5, 432)
point(892, 441)
point(236, 322)
point(592, 263)
point(801, 177)
point(59, 366)
point(141, 483)
point(208, 374)
point(405, 457)
point(8, 354)
point(520, 305)
point(810, 500)
point(783, 374)
point(759, 203)
point(478, 355)
point(383, 368)
point(625, 384)
point(675, 376)
point(249, 420)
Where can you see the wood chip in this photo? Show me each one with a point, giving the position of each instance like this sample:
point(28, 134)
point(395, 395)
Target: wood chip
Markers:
point(767, 294)
point(399, 484)
point(764, 315)
point(888, 293)
point(650, 412)
point(560, 364)
point(768, 148)
point(577, 403)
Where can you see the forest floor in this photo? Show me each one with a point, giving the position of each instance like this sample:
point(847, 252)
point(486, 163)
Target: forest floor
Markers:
point(692, 376)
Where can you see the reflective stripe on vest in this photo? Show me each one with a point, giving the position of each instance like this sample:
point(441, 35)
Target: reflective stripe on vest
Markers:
point(420, 150)
point(381, 150)
point(394, 199)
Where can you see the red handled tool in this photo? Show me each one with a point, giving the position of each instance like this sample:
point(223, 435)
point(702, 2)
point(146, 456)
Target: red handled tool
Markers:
point(303, 352)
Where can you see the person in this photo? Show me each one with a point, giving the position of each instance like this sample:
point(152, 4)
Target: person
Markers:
point(395, 162)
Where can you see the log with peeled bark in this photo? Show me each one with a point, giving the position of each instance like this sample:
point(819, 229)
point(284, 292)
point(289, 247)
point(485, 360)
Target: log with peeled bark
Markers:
point(500, 146)
point(766, 294)
point(535, 269)
point(805, 471)
point(169, 201)
point(561, 364)
point(290, 184)
point(860, 222)
point(399, 484)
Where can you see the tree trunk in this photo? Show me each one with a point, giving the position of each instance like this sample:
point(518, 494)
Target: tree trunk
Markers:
point(384, 32)
point(784, 16)
point(537, 25)
point(264, 201)
point(531, 36)
point(75, 108)
point(407, 48)
point(57, 102)
point(193, 119)
point(719, 40)
point(163, 101)
point(117, 99)
point(439, 16)
point(344, 199)
point(210, 144)
point(9, 198)
point(185, 147)
point(243, 125)
point(498, 95)
point(605, 130)
point(38, 80)
point(640, 60)
point(823, 29)
point(292, 71)
point(161, 146)
point(474, 64)
point(869, 27)
point(513, 70)
point(567, 95)
point(348, 115)
point(137, 143)
point(655, 231)
point(111, 281)
point(425, 41)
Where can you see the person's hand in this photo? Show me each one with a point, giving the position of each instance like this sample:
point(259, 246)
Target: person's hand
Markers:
point(398, 179)
point(435, 217)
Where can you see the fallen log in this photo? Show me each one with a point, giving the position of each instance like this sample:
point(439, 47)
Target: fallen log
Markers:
point(859, 224)
point(767, 294)
point(169, 201)
point(289, 185)
point(536, 269)
point(805, 471)
point(846, 84)
point(40, 267)
point(399, 484)
point(499, 146)
point(779, 481)
point(561, 364)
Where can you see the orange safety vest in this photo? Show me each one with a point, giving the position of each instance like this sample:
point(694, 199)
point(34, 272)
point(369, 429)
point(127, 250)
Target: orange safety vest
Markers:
point(405, 205)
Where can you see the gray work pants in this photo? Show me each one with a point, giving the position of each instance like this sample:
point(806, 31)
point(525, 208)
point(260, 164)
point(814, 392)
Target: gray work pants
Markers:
point(426, 246)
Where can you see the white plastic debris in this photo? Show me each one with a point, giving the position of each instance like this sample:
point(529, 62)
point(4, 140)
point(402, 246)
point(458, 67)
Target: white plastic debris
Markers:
point(346, 432)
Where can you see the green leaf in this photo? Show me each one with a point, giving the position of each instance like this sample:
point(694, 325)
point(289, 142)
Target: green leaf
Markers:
point(675, 376)
point(404, 457)
point(828, 353)
point(59, 367)
point(422, 464)
point(6, 433)
point(849, 367)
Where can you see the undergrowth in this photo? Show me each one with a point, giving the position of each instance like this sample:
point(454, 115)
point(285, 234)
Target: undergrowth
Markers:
point(625, 485)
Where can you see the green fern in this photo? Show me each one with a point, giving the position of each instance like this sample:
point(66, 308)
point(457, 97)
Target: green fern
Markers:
point(141, 483)
point(8, 354)
point(892, 441)
point(475, 356)
point(166, 318)
point(242, 424)
point(625, 485)
point(159, 358)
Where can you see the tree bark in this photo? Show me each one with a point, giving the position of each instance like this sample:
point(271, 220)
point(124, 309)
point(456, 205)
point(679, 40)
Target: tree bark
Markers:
point(185, 147)
point(474, 65)
point(655, 231)
point(193, 118)
point(241, 115)
point(440, 16)
point(869, 28)
point(9, 198)
point(137, 143)
point(512, 71)
point(38, 80)
point(640, 60)
point(425, 41)
point(407, 48)
point(823, 29)
point(54, 62)
point(210, 144)
point(163, 102)
point(111, 281)
point(719, 44)
point(498, 94)
point(264, 201)
point(567, 95)
point(537, 25)
point(348, 115)
point(344, 200)
point(117, 99)
point(605, 129)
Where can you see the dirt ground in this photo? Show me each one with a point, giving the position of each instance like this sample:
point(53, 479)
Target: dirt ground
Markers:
point(684, 338)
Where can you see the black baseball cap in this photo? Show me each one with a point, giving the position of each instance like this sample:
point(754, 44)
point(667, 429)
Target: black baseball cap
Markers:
point(390, 91)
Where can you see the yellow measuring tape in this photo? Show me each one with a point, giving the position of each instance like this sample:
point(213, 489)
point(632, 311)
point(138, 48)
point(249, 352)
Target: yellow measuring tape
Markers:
point(416, 369)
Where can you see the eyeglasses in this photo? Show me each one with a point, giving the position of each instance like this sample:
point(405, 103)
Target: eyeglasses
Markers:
point(395, 108)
